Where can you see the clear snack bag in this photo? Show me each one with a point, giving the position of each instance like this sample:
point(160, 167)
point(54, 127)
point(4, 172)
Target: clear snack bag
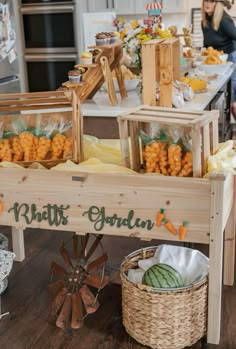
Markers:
point(175, 151)
point(62, 142)
point(187, 159)
point(5, 146)
point(23, 144)
point(155, 151)
point(43, 131)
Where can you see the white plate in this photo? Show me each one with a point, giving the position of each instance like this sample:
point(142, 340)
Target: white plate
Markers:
point(223, 58)
point(215, 68)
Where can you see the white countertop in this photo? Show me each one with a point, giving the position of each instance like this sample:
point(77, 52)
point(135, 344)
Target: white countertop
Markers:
point(100, 106)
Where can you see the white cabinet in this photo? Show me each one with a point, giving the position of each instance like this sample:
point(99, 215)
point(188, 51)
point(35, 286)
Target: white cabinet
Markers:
point(174, 6)
point(140, 6)
point(133, 7)
point(124, 7)
point(98, 5)
point(120, 7)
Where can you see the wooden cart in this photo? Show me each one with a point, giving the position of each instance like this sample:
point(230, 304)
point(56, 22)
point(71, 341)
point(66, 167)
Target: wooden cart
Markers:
point(126, 205)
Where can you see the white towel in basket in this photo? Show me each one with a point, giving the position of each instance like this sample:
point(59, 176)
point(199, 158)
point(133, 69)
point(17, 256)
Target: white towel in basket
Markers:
point(191, 264)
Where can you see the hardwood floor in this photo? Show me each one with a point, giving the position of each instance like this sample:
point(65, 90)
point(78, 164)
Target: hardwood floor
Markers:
point(27, 326)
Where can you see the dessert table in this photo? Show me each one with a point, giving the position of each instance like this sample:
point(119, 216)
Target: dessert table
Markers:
point(99, 106)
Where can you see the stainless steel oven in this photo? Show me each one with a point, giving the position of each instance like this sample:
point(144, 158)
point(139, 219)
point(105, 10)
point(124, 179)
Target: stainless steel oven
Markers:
point(49, 28)
point(48, 72)
point(51, 31)
point(32, 2)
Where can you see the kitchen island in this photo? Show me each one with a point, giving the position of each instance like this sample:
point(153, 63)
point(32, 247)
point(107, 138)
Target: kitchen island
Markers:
point(217, 96)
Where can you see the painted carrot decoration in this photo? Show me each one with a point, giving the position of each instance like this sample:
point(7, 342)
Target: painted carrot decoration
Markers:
point(169, 226)
point(183, 230)
point(160, 216)
point(1, 207)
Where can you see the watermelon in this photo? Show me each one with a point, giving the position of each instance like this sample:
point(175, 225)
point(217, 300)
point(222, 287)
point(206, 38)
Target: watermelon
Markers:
point(162, 276)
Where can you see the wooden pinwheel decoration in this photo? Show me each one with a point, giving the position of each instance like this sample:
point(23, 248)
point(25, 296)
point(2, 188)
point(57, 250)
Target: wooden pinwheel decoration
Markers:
point(74, 294)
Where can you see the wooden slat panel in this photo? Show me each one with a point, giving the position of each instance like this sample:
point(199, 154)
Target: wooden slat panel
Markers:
point(215, 260)
point(134, 132)
point(196, 151)
point(124, 142)
point(23, 102)
point(32, 95)
point(149, 56)
point(176, 60)
point(166, 75)
point(229, 242)
point(118, 194)
point(33, 107)
point(205, 148)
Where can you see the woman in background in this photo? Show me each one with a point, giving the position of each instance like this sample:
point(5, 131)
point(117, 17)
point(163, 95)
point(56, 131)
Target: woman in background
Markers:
point(219, 32)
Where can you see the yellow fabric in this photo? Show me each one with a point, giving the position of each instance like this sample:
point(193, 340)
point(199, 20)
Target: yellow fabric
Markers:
point(92, 165)
point(34, 165)
point(106, 150)
point(224, 159)
point(8, 164)
point(37, 166)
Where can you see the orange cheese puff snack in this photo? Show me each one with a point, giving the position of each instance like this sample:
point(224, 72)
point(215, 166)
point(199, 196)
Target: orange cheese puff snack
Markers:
point(57, 146)
point(43, 148)
point(151, 156)
point(187, 165)
point(163, 159)
point(18, 153)
point(67, 148)
point(5, 150)
point(174, 159)
point(27, 144)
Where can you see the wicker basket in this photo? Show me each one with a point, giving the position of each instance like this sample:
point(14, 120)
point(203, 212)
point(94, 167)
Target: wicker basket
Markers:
point(3, 246)
point(162, 319)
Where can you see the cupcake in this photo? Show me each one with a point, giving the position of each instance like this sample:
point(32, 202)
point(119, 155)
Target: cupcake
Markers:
point(101, 39)
point(75, 76)
point(109, 39)
point(115, 37)
point(86, 57)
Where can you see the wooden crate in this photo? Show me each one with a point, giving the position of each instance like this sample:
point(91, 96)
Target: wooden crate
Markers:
point(160, 63)
point(96, 74)
point(55, 106)
point(203, 125)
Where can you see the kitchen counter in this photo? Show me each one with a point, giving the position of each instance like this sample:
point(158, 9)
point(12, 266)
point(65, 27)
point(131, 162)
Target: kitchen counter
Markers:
point(100, 106)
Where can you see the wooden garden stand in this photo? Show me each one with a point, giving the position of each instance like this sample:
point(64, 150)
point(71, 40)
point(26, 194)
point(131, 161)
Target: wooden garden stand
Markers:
point(126, 205)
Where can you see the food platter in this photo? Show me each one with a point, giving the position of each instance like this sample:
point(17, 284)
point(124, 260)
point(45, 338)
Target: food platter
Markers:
point(213, 68)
